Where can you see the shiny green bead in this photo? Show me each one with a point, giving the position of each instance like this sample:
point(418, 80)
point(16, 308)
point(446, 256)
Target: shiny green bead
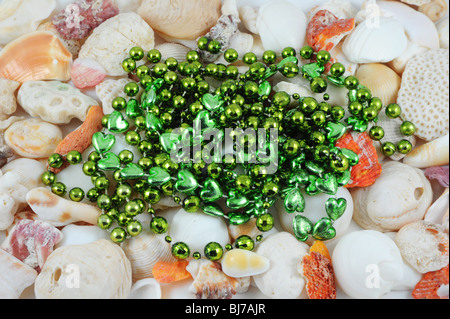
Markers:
point(102, 183)
point(203, 87)
point(133, 138)
point(202, 43)
point(178, 102)
point(192, 56)
point(74, 157)
point(376, 133)
point(306, 52)
point(180, 250)
point(59, 189)
point(104, 221)
point(270, 123)
point(214, 170)
point(119, 104)
point(321, 153)
point(270, 189)
point(376, 103)
point(89, 168)
point(214, 47)
point(388, 148)
point(291, 148)
point(233, 112)
point(244, 242)
point(94, 156)
point(249, 58)
point(251, 89)
point(337, 113)
point(269, 57)
point(290, 69)
point(407, 128)
point(93, 194)
point(152, 195)
point(118, 235)
point(318, 85)
point(126, 157)
point(154, 56)
point(140, 185)
point(297, 118)
point(133, 208)
point(363, 94)
point(404, 147)
point(159, 225)
point(308, 105)
point(117, 176)
point(48, 178)
point(142, 71)
point(319, 118)
point(257, 70)
point(191, 204)
point(281, 100)
point(265, 222)
point(370, 113)
point(211, 69)
point(287, 52)
point(339, 163)
point(355, 108)
point(213, 251)
point(317, 137)
point(76, 194)
point(243, 183)
point(131, 89)
point(104, 202)
point(159, 69)
point(146, 81)
point(393, 110)
point(172, 64)
point(124, 190)
point(137, 53)
point(323, 57)
point(351, 82)
point(337, 69)
point(55, 161)
point(188, 84)
point(231, 55)
point(145, 163)
point(129, 65)
point(196, 255)
point(232, 72)
point(105, 120)
point(134, 228)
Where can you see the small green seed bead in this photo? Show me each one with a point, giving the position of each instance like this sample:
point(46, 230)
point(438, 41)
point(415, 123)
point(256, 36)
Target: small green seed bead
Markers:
point(407, 128)
point(306, 52)
point(191, 204)
point(55, 161)
point(48, 178)
point(118, 235)
point(180, 250)
point(388, 148)
point(134, 228)
point(74, 157)
point(244, 242)
point(154, 56)
point(76, 194)
point(213, 251)
point(104, 221)
point(59, 189)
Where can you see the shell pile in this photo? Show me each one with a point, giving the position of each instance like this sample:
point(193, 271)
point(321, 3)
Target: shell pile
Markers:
point(393, 236)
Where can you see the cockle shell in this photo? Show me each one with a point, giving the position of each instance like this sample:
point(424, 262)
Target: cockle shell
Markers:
point(243, 263)
point(382, 81)
point(54, 101)
point(210, 282)
point(144, 251)
point(368, 264)
point(181, 19)
point(282, 280)
point(401, 195)
point(33, 138)
point(87, 73)
point(81, 234)
point(19, 17)
point(35, 56)
point(110, 43)
point(435, 9)
point(369, 43)
point(147, 288)
point(99, 270)
point(8, 102)
point(59, 211)
point(15, 276)
point(281, 24)
point(423, 95)
point(434, 153)
point(424, 245)
point(173, 50)
point(443, 31)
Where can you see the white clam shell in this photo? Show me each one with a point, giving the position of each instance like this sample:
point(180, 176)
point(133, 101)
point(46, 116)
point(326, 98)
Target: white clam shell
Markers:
point(281, 24)
point(282, 280)
point(147, 288)
point(376, 41)
point(80, 235)
point(315, 210)
point(243, 263)
point(401, 195)
point(434, 153)
point(367, 264)
point(99, 270)
point(399, 63)
point(198, 229)
point(29, 170)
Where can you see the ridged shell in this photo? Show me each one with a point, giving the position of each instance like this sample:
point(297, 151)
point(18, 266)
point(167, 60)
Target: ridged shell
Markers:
point(173, 50)
point(144, 251)
point(383, 82)
point(434, 153)
point(35, 56)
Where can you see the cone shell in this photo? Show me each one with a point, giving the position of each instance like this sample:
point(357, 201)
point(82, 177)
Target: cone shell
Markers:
point(243, 263)
point(381, 80)
point(35, 56)
point(434, 153)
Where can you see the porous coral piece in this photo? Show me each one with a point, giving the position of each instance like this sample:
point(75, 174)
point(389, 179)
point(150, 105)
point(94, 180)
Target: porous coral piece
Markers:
point(78, 19)
point(8, 103)
point(320, 277)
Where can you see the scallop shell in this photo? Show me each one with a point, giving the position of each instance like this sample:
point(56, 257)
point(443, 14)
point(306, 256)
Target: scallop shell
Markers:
point(243, 263)
point(99, 270)
point(147, 288)
point(38, 55)
point(87, 73)
point(144, 251)
point(401, 195)
point(19, 17)
point(437, 213)
point(181, 19)
point(173, 50)
point(382, 81)
point(369, 44)
point(434, 153)
point(424, 245)
point(435, 9)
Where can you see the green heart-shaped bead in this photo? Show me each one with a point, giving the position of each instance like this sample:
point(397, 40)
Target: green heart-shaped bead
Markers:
point(168, 141)
point(302, 227)
point(103, 142)
point(158, 176)
point(186, 182)
point(335, 208)
point(327, 184)
point(213, 209)
point(133, 109)
point(132, 171)
point(300, 176)
point(359, 125)
point(352, 157)
point(110, 162)
point(324, 230)
point(335, 131)
point(238, 218)
point(236, 200)
point(211, 190)
point(212, 102)
point(294, 201)
point(116, 123)
point(344, 178)
point(153, 123)
point(265, 88)
point(203, 121)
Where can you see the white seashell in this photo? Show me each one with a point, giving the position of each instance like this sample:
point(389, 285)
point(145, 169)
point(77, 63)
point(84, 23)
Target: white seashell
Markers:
point(341, 9)
point(87, 73)
point(99, 270)
point(424, 245)
point(434, 153)
point(15, 276)
point(28, 170)
point(281, 24)
point(369, 43)
point(401, 195)
point(33, 138)
point(8, 103)
point(80, 235)
point(315, 210)
point(54, 101)
point(248, 16)
point(243, 263)
point(368, 265)
point(144, 251)
point(20, 17)
point(110, 89)
point(230, 8)
point(8, 207)
point(198, 229)
point(282, 280)
point(4, 124)
point(243, 42)
point(249, 228)
point(399, 63)
point(173, 50)
point(127, 5)
point(443, 32)
point(437, 213)
point(339, 56)
point(416, 2)
point(147, 288)
point(110, 42)
point(59, 211)
point(435, 9)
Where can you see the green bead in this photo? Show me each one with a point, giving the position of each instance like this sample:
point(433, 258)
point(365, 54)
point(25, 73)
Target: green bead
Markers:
point(202, 43)
point(172, 64)
point(404, 147)
point(137, 53)
point(192, 56)
point(131, 89)
point(118, 235)
point(323, 57)
point(94, 156)
point(102, 183)
point(152, 195)
point(308, 105)
point(180, 250)
point(76, 194)
point(249, 58)
point(133, 138)
point(233, 112)
point(231, 55)
point(93, 194)
point(133, 208)
point(407, 128)
point(270, 189)
point(337, 69)
point(251, 89)
point(376, 133)
point(214, 47)
point(104, 221)
point(281, 100)
point(370, 113)
point(243, 183)
point(318, 85)
point(104, 202)
point(287, 52)
point(196, 255)
point(306, 52)
point(126, 156)
point(142, 71)
point(55, 161)
point(59, 189)
point(159, 69)
point(129, 65)
point(337, 113)
point(74, 157)
point(291, 148)
point(319, 118)
point(321, 153)
point(48, 178)
point(119, 103)
point(317, 137)
point(154, 56)
point(214, 170)
point(376, 103)
point(269, 57)
point(290, 69)
point(124, 191)
point(351, 82)
point(134, 228)
point(388, 148)
point(213, 251)
point(339, 163)
point(191, 204)
point(257, 70)
point(265, 222)
point(297, 118)
point(363, 94)
point(159, 225)
point(244, 242)
point(355, 108)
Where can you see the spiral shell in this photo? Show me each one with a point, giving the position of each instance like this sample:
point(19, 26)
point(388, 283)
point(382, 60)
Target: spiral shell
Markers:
point(435, 9)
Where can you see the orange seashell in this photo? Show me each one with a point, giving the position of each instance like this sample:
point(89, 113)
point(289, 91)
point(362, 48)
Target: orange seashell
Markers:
point(366, 172)
point(167, 272)
point(325, 30)
point(319, 247)
point(428, 286)
point(38, 55)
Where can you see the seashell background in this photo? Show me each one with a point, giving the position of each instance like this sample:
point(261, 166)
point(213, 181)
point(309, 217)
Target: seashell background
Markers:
point(392, 44)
